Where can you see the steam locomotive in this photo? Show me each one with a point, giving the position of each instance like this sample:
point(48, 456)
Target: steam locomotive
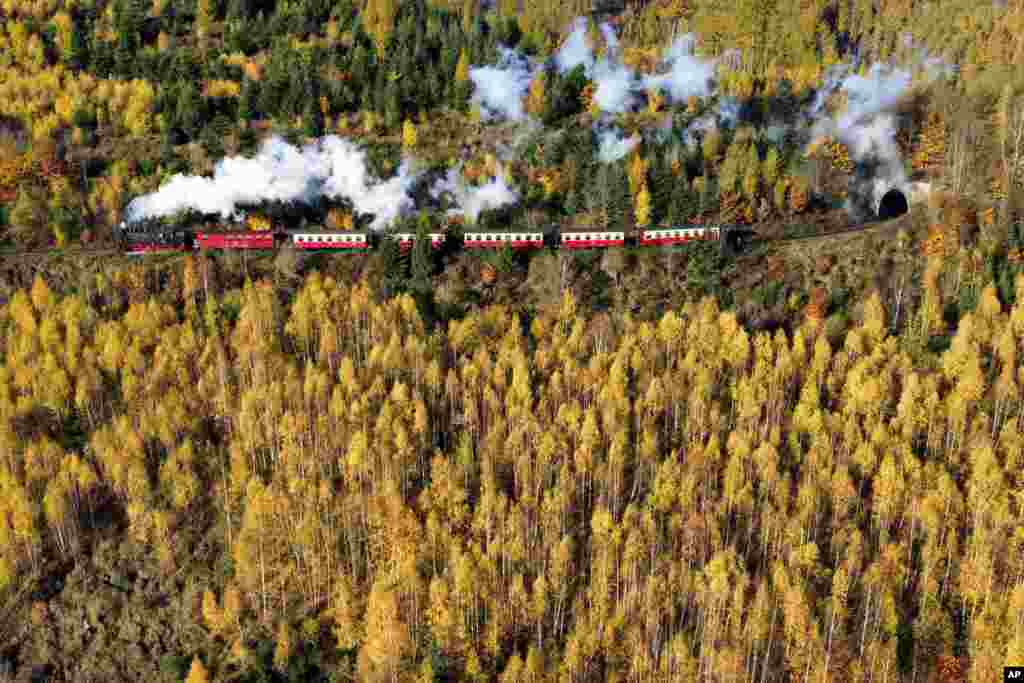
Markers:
point(142, 238)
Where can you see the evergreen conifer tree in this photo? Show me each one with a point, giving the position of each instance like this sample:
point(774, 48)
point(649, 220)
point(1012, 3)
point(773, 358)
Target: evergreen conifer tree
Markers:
point(422, 255)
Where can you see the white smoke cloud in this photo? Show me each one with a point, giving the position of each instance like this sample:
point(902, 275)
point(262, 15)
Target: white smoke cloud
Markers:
point(575, 51)
point(330, 167)
point(500, 89)
point(470, 201)
point(687, 75)
point(617, 88)
point(613, 145)
point(867, 126)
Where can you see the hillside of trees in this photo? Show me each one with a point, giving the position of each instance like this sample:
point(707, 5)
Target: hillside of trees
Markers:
point(800, 463)
point(103, 101)
point(330, 490)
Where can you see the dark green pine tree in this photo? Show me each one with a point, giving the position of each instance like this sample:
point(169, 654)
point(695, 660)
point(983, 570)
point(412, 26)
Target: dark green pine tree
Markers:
point(270, 91)
point(166, 149)
point(422, 255)
point(394, 266)
point(76, 57)
point(710, 201)
point(313, 120)
point(239, 10)
point(381, 91)
point(247, 139)
point(620, 205)
point(422, 267)
point(392, 107)
point(661, 185)
point(212, 141)
point(684, 202)
point(102, 58)
point(449, 59)
point(188, 113)
point(572, 202)
point(433, 87)
point(245, 102)
point(360, 66)
point(124, 55)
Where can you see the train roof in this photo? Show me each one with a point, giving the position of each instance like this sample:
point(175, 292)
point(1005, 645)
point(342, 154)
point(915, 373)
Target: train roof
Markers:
point(299, 231)
point(594, 229)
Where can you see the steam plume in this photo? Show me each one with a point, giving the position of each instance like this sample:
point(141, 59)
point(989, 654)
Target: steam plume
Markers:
point(618, 88)
point(471, 201)
point(500, 89)
point(330, 167)
point(613, 145)
point(868, 125)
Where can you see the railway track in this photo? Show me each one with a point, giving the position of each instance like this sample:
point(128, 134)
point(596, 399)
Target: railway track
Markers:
point(889, 224)
point(97, 251)
point(860, 227)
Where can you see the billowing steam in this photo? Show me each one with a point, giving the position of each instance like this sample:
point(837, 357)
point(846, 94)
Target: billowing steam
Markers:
point(868, 129)
point(687, 75)
point(470, 201)
point(575, 51)
point(613, 145)
point(615, 85)
point(336, 168)
point(617, 88)
point(868, 126)
point(500, 89)
point(330, 167)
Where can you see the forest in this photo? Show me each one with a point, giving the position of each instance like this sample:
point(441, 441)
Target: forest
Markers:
point(799, 463)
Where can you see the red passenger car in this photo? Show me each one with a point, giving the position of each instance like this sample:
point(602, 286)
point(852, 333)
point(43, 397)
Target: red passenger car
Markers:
point(591, 239)
point(499, 240)
point(666, 236)
point(406, 239)
point(235, 240)
point(329, 240)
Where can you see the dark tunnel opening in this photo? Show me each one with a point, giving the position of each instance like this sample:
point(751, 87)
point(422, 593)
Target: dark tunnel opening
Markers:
point(893, 204)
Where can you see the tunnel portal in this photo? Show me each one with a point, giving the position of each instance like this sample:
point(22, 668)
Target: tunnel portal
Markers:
point(893, 204)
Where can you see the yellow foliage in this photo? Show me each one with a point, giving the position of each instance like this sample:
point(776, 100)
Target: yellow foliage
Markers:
point(637, 173)
point(257, 222)
point(839, 155)
point(338, 219)
point(640, 59)
point(799, 195)
point(643, 207)
point(369, 121)
point(221, 88)
point(931, 148)
point(462, 68)
point(655, 101)
point(197, 673)
point(535, 97)
point(550, 179)
point(408, 134)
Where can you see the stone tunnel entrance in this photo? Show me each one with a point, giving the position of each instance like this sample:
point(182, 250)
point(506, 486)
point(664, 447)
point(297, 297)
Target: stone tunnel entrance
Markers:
point(894, 203)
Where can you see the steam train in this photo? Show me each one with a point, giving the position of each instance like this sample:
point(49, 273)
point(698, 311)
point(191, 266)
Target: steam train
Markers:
point(140, 239)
